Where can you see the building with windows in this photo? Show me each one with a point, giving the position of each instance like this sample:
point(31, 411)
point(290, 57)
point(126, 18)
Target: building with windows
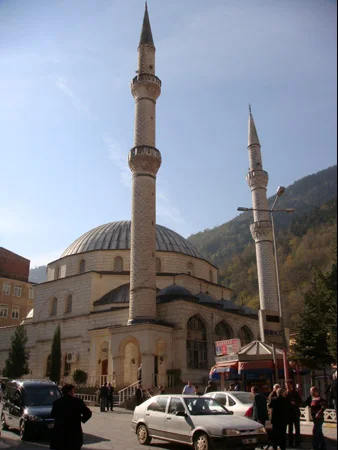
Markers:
point(134, 292)
point(16, 293)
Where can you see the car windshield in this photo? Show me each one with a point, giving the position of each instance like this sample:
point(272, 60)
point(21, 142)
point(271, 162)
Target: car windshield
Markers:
point(204, 406)
point(40, 395)
point(243, 397)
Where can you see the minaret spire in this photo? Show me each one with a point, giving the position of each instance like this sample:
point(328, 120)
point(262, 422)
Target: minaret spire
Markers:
point(146, 34)
point(252, 132)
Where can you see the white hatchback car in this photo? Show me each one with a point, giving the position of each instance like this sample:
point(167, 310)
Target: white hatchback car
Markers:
point(200, 422)
point(236, 401)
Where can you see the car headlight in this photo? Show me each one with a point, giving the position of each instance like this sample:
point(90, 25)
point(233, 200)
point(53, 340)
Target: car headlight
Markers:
point(261, 430)
point(231, 432)
point(32, 418)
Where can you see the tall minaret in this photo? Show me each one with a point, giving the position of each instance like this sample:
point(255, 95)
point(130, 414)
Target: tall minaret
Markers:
point(144, 161)
point(261, 230)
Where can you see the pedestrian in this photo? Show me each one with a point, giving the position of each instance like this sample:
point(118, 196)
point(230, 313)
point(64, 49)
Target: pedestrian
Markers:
point(139, 374)
point(231, 387)
point(317, 406)
point(196, 391)
point(103, 397)
point(279, 418)
point(188, 389)
point(139, 395)
point(294, 402)
point(332, 393)
point(209, 387)
point(273, 393)
point(259, 407)
point(68, 412)
point(161, 390)
point(237, 386)
point(110, 403)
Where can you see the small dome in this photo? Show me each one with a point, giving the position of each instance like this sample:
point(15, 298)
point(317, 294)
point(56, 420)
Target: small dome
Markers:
point(174, 291)
point(249, 311)
point(117, 295)
point(229, 305)
point(116, 236)
point(204, 297)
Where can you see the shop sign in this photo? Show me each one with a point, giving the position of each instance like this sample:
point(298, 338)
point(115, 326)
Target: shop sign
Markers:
point(227, 347)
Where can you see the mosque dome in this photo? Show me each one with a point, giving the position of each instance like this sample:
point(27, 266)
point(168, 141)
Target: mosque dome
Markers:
point(116, 236)
point(174, 291)
point(205, 297)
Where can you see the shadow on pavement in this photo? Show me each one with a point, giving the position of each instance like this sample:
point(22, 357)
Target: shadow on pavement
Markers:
point(91, 439)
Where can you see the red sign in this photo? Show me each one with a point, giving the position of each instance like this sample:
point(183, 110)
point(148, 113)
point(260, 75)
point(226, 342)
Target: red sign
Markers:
point(227, 347)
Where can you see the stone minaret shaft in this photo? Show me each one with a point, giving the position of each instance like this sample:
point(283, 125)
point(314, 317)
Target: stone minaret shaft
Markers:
point(144, 161)
point(261, 229)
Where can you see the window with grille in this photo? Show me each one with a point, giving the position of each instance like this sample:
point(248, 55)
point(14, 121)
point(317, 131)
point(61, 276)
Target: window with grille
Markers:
point(190, 269)
point(118, 264)
point(53, 306)
point(49, 366)
point(4, 311)
point(15, 312)
point(245, 335)
point(67, 367)
point(69, 303)
point(6, 289)
point(82, 266)
point(56, 273)
point(17, 291)
point(211, 277)
point(223, 331)
point(31, 294)
point(158, 265)
point(197, 348)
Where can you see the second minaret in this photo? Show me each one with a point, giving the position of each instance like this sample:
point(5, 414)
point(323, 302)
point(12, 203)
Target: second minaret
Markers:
point(144, 161)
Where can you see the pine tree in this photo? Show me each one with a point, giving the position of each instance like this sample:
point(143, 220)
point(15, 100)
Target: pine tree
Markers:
point(56, 356)
point(17, 361)
point(311, 347)
point(331, 315)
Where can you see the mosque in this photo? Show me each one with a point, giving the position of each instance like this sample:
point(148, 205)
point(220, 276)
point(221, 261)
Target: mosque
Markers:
point(134, 292)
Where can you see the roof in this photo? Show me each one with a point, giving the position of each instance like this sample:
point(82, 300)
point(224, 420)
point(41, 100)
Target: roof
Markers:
point(174, 291)
point(116, 236)
point(146, 37)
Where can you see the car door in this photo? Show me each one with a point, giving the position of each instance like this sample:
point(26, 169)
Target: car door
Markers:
point(155, 416)
point(7, 408)
point(16, 410)
point(178, 427)
point(222, 398)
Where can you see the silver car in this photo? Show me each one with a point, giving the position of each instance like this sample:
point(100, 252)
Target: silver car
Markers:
point(200, 422)
point(236, 401)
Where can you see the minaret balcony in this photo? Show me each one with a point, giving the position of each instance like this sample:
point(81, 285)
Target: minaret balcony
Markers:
point(144, 158)
point(146, 85)
point(261, 231)
point(257, 179)
point(145, 77)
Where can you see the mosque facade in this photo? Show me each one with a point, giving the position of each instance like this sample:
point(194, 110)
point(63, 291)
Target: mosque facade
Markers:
point(134, 292)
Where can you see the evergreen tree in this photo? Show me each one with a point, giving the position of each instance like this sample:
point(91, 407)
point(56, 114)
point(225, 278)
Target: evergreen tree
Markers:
point(331, 315)
point(17, 361)
point(56, 356)
point(311, 347)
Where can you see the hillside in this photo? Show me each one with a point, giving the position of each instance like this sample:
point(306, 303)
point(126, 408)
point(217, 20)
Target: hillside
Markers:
point(38, 274)
point(306, 239)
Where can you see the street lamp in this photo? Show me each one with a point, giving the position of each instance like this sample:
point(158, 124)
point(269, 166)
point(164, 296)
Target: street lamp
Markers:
point(280, 191)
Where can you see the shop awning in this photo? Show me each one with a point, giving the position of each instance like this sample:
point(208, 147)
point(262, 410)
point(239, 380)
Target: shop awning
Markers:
point(246, 366)
point(226, 367)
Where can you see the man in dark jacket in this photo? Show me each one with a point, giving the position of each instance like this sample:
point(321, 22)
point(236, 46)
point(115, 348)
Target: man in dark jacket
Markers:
point(139, 395)
point(68, 412)
point(279, 418)
point(103, 398)
point(318, 406)
point(259, 407)
point(110, 403)
point(294, 402)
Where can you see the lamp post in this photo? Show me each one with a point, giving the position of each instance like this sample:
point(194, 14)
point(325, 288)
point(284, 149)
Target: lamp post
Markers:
point(280, 191)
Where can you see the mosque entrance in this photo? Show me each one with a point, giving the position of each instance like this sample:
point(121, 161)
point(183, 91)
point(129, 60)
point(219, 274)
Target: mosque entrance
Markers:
point(131, 363)
point(104, 370)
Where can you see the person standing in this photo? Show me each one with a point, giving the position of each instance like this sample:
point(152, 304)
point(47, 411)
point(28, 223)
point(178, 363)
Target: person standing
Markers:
point(188, 389)
point(273, 393)
point(139, 374)
point(139, 395)
point(279, 418)
point(196, 391)
point(259, 407)
point(110, 402)
point(209, 387)
point(103, 397)
point(161, 390)
point(68, 412)
point(317, 406)
point(294, 402)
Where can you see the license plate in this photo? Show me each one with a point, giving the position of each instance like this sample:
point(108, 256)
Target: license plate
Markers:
point(250, 441)
point(50, 425)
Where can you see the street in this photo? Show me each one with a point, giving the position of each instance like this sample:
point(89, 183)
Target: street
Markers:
point(112, 430)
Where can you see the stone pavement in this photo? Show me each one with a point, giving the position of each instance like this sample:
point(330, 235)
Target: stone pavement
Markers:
point(112, 430)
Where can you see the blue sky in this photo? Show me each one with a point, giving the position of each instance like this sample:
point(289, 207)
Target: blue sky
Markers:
point(67, 115)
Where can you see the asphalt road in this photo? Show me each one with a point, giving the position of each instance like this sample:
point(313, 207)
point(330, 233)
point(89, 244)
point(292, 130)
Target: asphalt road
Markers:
point(112, 430)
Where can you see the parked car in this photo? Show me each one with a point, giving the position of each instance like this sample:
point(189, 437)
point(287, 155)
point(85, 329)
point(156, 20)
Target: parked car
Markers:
point(236, 401)
point(27, 406)
point(200, 422)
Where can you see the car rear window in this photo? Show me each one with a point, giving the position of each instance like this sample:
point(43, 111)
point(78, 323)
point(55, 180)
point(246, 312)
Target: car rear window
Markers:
point(244, 397)
point(40, 395)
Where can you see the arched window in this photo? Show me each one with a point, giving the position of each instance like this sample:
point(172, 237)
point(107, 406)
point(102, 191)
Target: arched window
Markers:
point(82, 266)
point(197, 348)
point(211, 276)
point(223, 331)
point(67, 368)
point(245, 335)
point(49, 366)
point(56, 273)
point(158, 265)
point(118, 264)
point(190, 269)
point(53, 306)
point(69, 303)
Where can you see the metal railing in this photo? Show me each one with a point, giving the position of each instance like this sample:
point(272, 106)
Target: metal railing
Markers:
point(330, 415)
point(128, 392)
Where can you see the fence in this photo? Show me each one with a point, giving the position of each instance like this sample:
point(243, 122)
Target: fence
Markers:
point(330, 415)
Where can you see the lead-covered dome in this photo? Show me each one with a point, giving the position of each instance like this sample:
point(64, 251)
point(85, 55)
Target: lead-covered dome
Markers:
point(116, 236)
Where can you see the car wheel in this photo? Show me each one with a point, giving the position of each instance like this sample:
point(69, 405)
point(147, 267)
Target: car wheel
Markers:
point(3, 422)
point(201, 442)
point(143, 435)
point(23, 431)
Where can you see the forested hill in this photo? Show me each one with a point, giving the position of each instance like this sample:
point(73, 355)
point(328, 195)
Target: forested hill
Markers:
point(306, 240)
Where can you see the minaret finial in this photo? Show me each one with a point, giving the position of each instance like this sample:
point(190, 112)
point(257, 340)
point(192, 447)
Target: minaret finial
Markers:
point(252, 132)
point(146, 34)
point(250, 108)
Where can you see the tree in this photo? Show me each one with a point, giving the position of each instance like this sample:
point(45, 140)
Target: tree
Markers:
point(80, 376)
point(56, 356)
point(17, 361)
point(331, 315)
point(311, 347)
